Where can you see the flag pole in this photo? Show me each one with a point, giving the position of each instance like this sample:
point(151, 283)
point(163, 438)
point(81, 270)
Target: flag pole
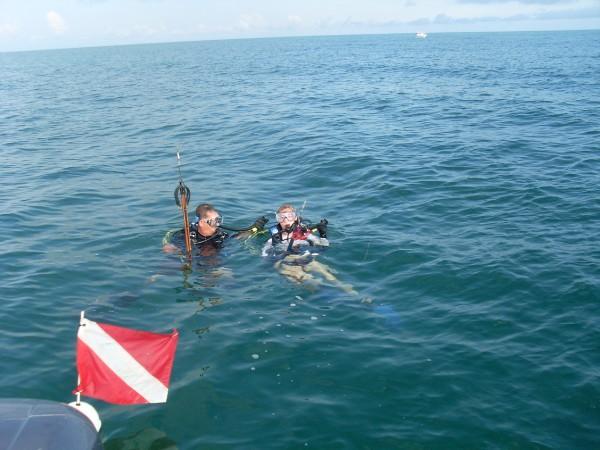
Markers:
point(85, 408)
point(78, 395)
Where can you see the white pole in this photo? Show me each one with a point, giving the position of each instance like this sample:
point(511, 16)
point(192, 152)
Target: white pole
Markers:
point(78, 394)
point(85, 408)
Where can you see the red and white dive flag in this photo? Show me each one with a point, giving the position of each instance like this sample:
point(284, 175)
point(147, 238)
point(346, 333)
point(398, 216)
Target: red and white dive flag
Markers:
point(124, 366)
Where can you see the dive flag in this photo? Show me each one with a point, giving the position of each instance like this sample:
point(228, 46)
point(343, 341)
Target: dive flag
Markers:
point(124, 366)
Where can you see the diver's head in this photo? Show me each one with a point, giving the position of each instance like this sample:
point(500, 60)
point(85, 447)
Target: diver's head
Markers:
point(208, 219)
point(286, 216)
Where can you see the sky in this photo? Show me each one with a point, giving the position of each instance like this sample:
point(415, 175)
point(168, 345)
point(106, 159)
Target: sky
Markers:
point(45, 24)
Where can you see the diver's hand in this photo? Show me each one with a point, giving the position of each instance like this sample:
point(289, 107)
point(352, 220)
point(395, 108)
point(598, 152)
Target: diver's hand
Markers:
point(260, 223)
point(170, 248)
point(322, 228)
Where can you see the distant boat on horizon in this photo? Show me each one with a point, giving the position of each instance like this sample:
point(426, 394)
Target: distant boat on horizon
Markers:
point(421, 35)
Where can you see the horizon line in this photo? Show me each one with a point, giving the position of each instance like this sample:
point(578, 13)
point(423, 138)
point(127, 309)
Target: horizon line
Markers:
point(293, 37)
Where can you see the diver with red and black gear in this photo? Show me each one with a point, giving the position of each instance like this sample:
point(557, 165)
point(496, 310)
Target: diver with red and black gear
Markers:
point(291, 235)
point(292, 243)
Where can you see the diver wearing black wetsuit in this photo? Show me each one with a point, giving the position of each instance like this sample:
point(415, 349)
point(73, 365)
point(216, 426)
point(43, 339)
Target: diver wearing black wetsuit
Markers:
point(206, 234)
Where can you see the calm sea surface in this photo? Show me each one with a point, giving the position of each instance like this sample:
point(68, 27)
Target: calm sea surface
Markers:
point(460, 175)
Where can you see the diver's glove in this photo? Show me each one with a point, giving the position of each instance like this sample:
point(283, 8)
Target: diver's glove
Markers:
point(260, 223)
point(322, 228)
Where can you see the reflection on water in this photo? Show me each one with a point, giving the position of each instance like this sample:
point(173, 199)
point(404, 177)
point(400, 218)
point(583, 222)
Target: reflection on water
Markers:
point(147, 439)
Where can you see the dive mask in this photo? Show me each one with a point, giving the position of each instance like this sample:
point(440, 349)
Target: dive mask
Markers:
point(288, 215)
point(214, 222)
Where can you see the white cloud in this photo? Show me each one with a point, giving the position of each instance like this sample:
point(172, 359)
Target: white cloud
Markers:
point(251, 21)
point(294, 20)
point(149, 30)
point(56, 22)
point(525, 2)
point(7, 29)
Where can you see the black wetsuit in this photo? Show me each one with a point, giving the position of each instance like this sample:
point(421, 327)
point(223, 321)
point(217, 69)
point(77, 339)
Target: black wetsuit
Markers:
point(200, 242)
point(216, 240)
point(277, 234)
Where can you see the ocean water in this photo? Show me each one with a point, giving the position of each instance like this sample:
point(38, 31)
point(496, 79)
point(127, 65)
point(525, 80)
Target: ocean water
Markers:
point(460, 175)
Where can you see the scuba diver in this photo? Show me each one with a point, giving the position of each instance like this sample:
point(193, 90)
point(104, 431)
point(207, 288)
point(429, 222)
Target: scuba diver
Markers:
point(207, 232)
point(290, 233)
point(293, 240)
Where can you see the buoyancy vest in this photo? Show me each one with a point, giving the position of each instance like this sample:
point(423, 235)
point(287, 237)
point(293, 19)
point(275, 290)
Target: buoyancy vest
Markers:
point(298, 232)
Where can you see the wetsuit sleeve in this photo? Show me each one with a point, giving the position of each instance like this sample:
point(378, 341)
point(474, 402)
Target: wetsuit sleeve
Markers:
point(168, 238)
point(267, 248)
point(172, 241)
point(247, 234)
point(314, 240)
